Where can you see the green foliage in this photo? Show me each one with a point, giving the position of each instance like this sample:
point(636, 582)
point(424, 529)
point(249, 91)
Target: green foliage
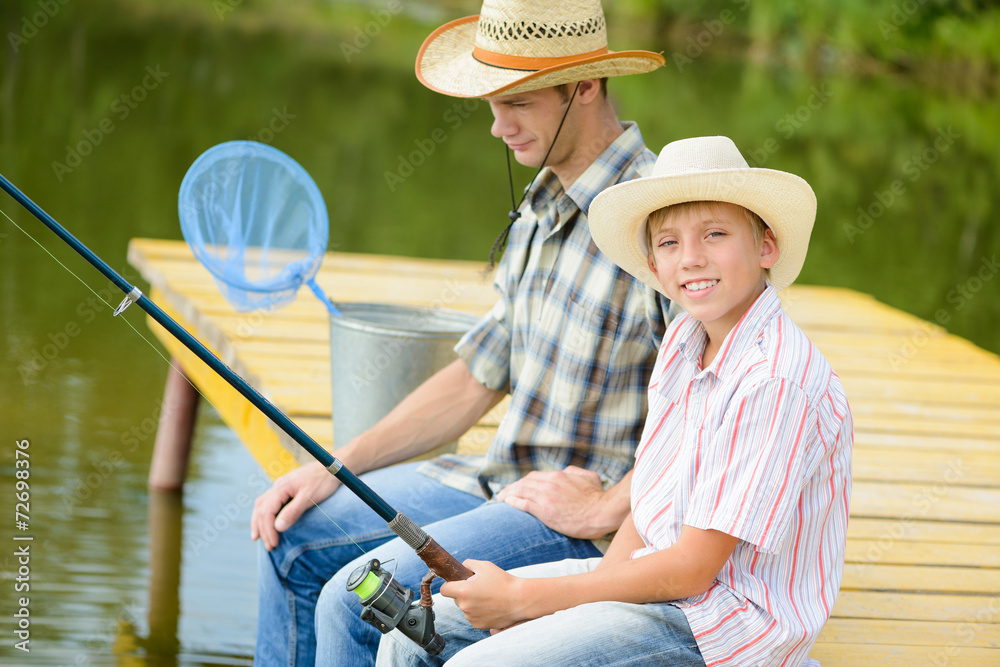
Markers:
point(940, 42)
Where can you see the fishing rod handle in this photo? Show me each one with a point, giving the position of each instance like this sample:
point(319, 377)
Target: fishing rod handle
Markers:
point(442, 563)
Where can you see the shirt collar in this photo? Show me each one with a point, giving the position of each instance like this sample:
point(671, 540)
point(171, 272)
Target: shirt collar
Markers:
point(692, 336)
point(604, 172)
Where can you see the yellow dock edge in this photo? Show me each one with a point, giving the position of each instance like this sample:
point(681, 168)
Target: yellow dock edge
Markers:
point(239, 414)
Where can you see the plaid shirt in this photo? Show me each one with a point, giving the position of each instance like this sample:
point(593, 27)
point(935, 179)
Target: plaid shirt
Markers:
point(573, 338)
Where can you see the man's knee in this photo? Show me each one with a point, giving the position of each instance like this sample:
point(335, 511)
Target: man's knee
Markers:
point(335, 600)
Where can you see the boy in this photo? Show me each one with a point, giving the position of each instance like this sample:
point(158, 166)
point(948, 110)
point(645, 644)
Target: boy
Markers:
point(734, 549)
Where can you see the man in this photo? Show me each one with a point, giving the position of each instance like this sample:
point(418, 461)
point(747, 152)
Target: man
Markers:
point(572, 339)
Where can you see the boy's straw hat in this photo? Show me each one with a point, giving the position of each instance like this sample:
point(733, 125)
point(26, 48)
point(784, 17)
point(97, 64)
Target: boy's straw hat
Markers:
point(704, 169)
point(514, 46)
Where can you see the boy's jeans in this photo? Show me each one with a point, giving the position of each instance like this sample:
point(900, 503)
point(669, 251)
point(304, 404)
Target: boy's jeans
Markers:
point(293, 630)
point(591, 635)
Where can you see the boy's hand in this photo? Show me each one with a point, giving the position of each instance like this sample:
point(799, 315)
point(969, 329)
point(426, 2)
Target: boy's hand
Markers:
point(490, 599)
point(567, 501)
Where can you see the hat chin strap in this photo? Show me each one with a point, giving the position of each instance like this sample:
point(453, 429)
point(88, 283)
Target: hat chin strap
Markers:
point(501, 241)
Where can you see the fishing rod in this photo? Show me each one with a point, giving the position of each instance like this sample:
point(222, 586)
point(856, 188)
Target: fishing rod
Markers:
point(386, 603)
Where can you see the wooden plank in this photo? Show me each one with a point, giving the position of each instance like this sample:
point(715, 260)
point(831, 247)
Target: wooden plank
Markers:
point(909, 633)
point(933, 413)
point(921, 579)
point(972, 370)
point(145, 254)
point(910, 606)
point(305, 351)
point(893, 346)
point(905, 441)
point(943, 501)
point(897, 530)
point(965, 469)
point(954, 393)
point(864, 655)
point(885, 355)
point(902, 425)
point(862, 553)
point(440, 291)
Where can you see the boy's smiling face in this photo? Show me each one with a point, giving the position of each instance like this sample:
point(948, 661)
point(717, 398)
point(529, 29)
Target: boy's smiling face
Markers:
point(707, 260)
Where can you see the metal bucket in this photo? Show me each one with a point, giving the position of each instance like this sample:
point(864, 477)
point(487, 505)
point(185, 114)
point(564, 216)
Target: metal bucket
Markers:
point(382, 352)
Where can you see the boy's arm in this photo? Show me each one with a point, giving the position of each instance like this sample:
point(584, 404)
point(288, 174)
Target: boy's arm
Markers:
point(493, 598)
point(626, 540)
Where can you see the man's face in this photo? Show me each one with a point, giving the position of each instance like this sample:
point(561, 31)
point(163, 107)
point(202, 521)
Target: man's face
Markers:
point(527, 123)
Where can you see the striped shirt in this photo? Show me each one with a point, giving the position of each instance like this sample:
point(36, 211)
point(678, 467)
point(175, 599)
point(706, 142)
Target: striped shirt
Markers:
point(573, 338)
point(758, 446)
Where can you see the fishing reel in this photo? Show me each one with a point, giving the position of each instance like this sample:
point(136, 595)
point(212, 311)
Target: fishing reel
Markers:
point(387, 604)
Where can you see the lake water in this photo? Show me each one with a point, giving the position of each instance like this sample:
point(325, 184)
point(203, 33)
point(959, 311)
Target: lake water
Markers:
point(103, 113)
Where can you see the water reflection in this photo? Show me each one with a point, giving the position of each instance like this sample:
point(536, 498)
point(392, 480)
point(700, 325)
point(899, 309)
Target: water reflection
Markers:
point(166, 511)
point(905, 177)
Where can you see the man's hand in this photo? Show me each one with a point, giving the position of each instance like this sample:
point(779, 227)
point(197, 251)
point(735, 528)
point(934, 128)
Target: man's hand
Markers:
point(280, 506)
point(490, 599)
point(569, 501)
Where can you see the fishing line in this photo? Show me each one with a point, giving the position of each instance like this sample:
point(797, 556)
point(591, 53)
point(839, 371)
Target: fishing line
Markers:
point(82, 282)
point(157, 350)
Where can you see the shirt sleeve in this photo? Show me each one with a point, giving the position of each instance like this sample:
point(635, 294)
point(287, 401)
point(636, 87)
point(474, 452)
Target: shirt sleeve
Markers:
point(751, 470)
point(485, 348)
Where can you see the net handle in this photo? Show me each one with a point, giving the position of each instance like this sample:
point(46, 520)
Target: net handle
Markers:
point(321, 295)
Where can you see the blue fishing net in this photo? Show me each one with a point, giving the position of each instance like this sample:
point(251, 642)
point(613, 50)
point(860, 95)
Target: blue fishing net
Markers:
point(256, 220)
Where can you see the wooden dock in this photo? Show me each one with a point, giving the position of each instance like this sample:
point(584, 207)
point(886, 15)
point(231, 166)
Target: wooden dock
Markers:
point(922, 580)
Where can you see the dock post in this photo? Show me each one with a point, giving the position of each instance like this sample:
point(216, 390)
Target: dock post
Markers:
point(172, 447)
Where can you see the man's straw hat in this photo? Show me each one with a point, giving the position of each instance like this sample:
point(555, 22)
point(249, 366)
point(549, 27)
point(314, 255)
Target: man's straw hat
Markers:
point(515, 46)
point(704, 169)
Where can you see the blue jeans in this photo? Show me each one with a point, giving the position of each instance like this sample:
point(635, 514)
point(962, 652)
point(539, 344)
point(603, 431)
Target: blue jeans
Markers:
point(306, 615)
point(591, 635)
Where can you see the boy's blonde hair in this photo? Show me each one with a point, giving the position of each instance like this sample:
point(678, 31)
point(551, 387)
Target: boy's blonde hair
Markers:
point(757, 225)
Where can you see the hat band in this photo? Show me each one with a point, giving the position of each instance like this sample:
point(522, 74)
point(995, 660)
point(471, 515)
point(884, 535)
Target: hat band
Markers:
point(504, 61)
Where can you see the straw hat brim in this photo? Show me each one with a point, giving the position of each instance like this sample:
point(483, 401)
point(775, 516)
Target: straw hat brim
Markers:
point(784, 201)
point(445, 64)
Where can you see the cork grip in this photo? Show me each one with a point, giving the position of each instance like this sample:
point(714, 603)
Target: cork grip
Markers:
point(442, 563)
